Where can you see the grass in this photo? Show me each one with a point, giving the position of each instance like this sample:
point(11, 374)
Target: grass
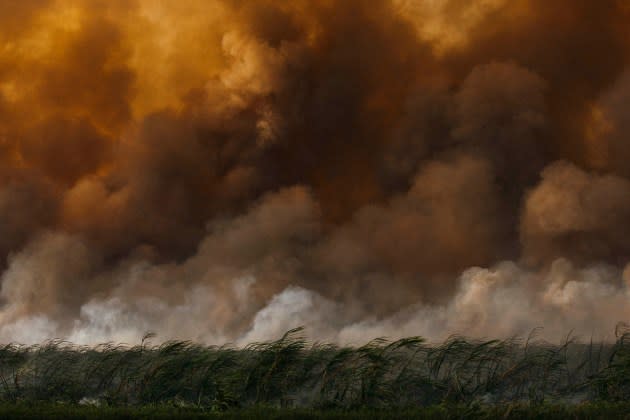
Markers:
point(292, 378)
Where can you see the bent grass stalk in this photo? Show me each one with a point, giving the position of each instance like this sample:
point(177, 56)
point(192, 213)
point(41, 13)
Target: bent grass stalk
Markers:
point(291, 372)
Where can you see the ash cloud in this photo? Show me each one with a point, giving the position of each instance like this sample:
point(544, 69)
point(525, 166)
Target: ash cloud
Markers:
point(224, 170)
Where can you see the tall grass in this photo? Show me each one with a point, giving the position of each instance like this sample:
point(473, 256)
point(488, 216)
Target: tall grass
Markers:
point(291, 372)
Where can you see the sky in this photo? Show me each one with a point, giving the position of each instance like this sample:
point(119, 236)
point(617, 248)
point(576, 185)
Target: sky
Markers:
point(226, 170)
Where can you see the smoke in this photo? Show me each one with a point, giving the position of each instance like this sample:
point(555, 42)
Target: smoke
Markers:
point(575, 214)
point(225, 170)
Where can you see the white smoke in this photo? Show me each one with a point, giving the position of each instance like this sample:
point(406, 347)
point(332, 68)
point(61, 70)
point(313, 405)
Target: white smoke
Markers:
point(499, 302)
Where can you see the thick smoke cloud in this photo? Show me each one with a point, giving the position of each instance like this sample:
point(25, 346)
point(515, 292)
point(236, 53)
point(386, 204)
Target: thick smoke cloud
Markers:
point(575, 214)
point(225, 170)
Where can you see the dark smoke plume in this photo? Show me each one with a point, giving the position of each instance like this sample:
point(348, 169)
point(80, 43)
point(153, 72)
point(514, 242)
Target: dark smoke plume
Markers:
point(226, 170)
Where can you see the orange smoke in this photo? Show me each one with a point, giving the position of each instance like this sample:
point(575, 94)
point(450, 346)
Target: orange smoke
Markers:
point(366, 150)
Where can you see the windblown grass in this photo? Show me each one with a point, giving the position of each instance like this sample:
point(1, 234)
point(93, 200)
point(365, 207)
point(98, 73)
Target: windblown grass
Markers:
point(293, 373)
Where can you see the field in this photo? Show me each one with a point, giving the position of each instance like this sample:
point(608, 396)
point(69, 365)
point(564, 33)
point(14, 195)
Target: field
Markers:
point(292, 378)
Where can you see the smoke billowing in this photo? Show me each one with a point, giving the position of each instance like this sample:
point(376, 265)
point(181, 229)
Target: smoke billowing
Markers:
point(226, 170)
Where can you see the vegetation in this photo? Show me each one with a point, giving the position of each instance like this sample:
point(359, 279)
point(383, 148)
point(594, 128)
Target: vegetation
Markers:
point(290, 377)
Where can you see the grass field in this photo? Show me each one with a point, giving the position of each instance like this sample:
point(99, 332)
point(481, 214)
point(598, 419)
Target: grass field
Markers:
point(291, 378)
